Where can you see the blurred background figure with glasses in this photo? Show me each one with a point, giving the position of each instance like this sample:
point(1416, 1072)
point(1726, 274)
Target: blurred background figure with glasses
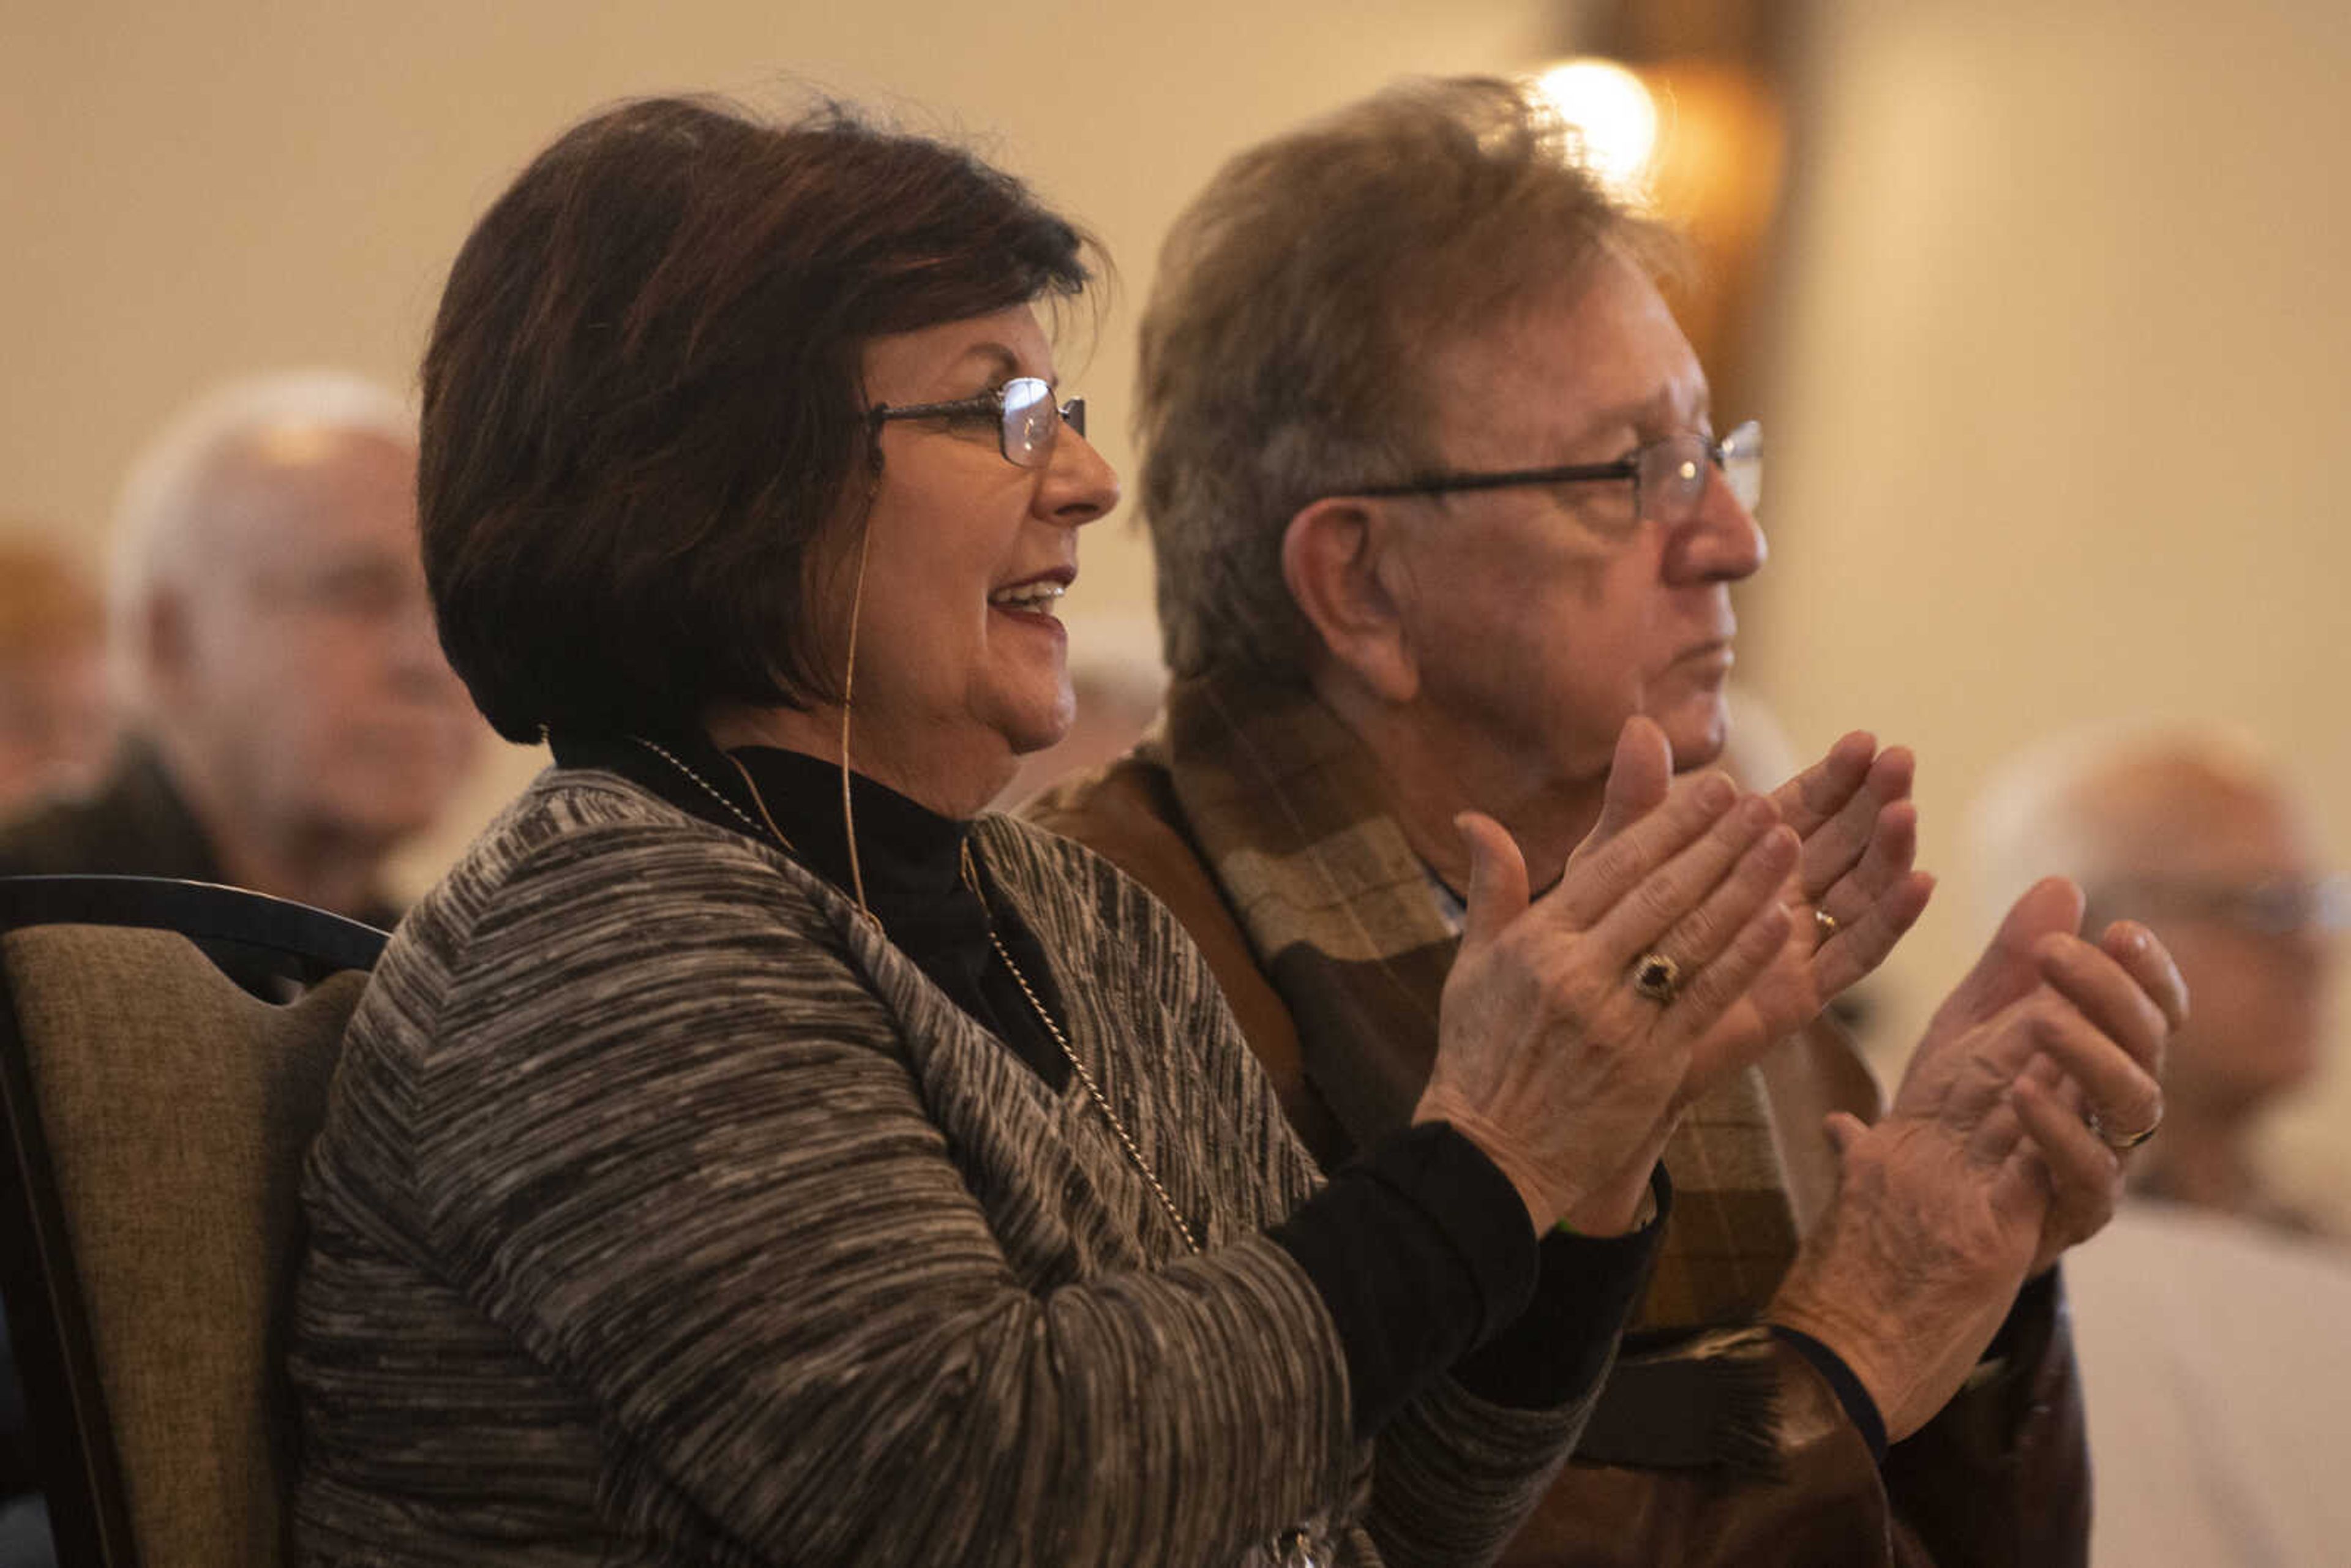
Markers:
point(290, 720)
point(2192, 831)
point(2208, 1315)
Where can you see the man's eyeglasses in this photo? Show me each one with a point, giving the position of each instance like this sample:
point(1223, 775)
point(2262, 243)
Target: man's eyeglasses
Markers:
point(1668, 476)
point(1027, 417)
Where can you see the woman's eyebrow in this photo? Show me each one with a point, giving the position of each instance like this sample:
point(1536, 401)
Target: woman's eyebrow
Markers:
point(1002, 364)
point(996, 357)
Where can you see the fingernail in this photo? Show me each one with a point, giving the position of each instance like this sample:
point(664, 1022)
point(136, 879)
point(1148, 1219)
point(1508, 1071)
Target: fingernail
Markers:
point(1716, 792)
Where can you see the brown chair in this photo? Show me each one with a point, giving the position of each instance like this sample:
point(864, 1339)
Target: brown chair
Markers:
point(157, 1114)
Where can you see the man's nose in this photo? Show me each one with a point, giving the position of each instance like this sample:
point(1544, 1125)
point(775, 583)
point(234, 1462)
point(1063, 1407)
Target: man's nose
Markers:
point(1721, 542)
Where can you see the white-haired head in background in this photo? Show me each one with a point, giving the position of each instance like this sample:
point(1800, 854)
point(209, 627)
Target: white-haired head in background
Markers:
point(271, 636)
point(2194, 831)
point(172, 507)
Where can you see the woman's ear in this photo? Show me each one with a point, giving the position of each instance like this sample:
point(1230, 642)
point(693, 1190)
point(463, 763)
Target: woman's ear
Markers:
point(1336, 558)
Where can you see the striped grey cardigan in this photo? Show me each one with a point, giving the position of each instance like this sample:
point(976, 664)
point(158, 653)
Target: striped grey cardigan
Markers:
point(664, 1213)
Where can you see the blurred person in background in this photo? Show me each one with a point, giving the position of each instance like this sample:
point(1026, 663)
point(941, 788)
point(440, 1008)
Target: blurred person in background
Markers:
point(2209, 1315)
point(1438, 501)
point(290, 718)
point(55, 727)
point(2192, 831)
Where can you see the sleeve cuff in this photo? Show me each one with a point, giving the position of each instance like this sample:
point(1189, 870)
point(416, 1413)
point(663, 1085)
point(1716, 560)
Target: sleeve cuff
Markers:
point(1859, 1408)
point(1560, 1346)
point(1420, 1249)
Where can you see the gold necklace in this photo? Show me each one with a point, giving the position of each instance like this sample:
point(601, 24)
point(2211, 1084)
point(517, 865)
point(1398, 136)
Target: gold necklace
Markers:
point(849, 823)
point(761, 801)
point(1094, 1090)
point(711, 790)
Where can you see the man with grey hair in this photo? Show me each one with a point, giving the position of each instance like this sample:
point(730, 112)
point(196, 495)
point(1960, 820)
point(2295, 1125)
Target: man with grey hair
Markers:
point(1441, 521)
point(290, 718)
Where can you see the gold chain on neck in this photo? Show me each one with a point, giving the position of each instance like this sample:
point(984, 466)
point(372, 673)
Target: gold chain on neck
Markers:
point(712, 791)
point(848, 825)
point(1094, 1090)
point(761, 801)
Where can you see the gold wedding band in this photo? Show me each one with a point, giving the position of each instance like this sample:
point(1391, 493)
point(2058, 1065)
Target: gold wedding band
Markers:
point(1827, 924)
point(1658, 978)
point(2098, 1129)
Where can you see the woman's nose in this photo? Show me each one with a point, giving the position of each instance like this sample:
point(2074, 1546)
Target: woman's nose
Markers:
point(1079, 484)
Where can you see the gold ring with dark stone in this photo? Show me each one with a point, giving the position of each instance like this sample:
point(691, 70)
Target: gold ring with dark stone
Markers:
point(1827, 922)
point(1658, 978)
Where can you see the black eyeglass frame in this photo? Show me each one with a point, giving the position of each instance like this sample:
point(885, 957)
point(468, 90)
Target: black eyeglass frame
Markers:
point(1718, 452)
point(997, 401)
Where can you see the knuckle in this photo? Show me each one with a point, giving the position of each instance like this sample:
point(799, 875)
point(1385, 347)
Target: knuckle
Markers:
point(1656, 900)
point(2048, 1019)
point(1617, 861)
point(1701, 932)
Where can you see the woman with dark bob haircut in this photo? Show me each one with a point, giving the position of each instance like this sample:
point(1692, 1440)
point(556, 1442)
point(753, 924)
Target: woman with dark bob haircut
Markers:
point(746, 1156)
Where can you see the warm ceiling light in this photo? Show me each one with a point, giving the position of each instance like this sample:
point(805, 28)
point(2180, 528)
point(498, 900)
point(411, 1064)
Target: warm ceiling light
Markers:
point(1611, 108)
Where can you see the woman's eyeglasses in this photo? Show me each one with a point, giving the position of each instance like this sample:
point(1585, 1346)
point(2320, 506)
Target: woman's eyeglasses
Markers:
point(1668, 476)
point(1028, 419)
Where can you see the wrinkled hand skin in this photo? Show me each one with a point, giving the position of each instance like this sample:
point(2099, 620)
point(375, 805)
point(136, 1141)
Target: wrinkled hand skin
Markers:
point(1547, 1059)
point(1852, 813)
point(1983, 1170)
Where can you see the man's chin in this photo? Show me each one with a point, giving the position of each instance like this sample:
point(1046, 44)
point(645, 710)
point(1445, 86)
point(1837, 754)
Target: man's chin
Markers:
point(1697, 731)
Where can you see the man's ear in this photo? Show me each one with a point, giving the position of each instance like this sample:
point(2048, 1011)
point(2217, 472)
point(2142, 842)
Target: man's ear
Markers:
point(1334, 560)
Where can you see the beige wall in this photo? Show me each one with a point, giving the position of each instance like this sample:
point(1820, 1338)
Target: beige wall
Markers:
point(2059, 404)
point(2055, 416)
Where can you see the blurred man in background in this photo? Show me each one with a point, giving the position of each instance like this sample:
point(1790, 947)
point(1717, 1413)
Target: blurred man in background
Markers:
point(2192, 831)
point(55, 726)
point(290, 718)
point(2209, 1315)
